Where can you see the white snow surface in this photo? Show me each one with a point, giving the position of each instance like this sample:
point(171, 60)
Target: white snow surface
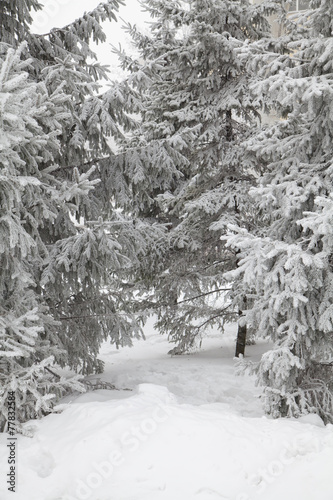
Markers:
point(188, 429)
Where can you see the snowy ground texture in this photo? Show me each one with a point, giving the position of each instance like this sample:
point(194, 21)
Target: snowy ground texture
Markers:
point(189, 429)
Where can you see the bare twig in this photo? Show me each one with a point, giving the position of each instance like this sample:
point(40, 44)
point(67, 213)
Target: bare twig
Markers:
point(203, 295)
point(68, 318)
point(52, 372)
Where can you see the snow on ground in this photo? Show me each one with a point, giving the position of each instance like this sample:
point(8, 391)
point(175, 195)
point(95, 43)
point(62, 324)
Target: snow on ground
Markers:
point(189, 429)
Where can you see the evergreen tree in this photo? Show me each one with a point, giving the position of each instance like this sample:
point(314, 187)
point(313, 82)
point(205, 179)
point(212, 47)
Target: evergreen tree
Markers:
point(15, 19)
point(67, 256)
point(185, 165)
point(288, 263)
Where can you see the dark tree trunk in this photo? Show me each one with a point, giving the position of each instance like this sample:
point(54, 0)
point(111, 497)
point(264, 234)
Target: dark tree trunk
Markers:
point(241, 335)
point(241, 339)
point(229, 128)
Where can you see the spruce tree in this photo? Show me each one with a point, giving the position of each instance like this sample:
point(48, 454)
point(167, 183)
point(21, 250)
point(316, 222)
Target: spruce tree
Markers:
point(67, 256)
point(288, 262)
point(185, 164)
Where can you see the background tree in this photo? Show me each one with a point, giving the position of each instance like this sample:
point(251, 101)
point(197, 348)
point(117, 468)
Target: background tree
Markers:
point(288, 264)
point(185, 165)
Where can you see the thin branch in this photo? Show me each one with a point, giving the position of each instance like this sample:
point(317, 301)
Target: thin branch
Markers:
point(196, 270)
point(287, 55)
point(53, 31)
point(52, 372)
point(203, 295)
point(163, 142)
point(322, 363)
point(69, 318)
point(87, 163)
point(214, 317)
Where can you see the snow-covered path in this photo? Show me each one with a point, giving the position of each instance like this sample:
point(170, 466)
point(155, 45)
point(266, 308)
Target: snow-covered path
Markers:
point(189, 430)
point(208, 376)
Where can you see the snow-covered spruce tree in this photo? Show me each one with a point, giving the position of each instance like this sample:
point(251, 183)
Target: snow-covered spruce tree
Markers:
point(66, 254)
point(288, 265)
point(30, 124)
point(15, 19)
point(185, 164)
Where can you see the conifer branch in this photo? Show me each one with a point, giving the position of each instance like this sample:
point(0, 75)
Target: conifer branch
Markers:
point(218, 315)
point(203, 295)
point(86, 163)
point(95, 13)
point(69, 318)
point(52, 372)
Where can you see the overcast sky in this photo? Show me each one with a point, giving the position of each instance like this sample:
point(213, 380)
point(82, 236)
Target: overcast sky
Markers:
point(58, 13)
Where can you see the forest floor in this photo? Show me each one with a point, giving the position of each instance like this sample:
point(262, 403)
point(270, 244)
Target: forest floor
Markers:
point(178, 428)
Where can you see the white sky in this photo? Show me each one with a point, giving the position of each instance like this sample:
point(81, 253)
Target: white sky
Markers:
point(58, 13)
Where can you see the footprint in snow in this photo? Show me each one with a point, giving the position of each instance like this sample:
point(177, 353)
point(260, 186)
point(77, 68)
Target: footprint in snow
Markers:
point(43, 464)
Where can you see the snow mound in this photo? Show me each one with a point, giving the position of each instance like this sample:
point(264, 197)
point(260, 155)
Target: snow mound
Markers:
point(164, 441)
point(150, 447)
point(313, 419)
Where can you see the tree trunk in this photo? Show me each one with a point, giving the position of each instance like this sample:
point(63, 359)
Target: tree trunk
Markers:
point(229, 128)
point(241, 335)
point(242, 330)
